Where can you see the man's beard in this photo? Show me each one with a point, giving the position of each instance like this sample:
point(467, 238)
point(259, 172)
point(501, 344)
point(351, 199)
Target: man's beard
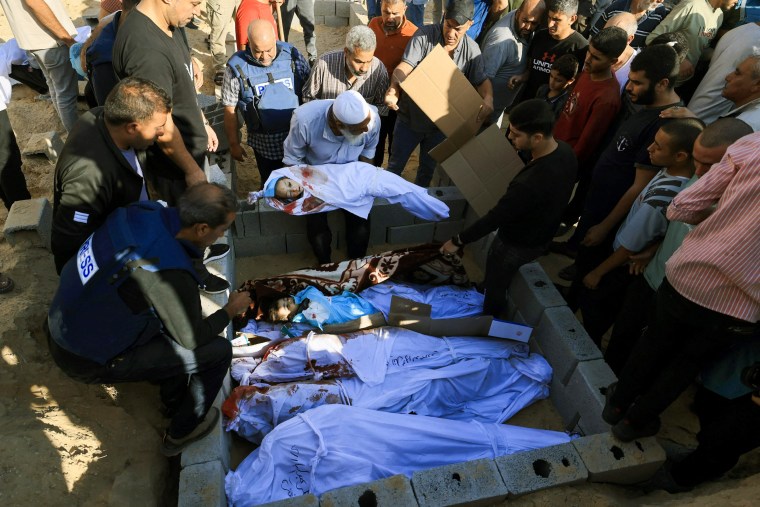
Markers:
point(352, 138)
point(645, 98)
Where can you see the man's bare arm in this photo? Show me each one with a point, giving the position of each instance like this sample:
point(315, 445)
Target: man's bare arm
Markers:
point(400, 73)
point(44, 15)
point(173, 146)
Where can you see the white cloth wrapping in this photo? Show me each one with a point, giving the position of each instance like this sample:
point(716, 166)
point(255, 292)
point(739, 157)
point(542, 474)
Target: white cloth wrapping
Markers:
point(335, 446)
point(352, 187)
point(369, 354)
point(447, 301)
point(480, 389)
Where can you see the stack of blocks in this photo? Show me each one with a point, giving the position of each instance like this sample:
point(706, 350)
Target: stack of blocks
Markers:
point(337, 13)
point(213, 111)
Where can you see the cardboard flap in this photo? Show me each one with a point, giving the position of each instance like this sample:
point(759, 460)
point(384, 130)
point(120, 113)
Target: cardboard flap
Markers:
point(445, 95)
point(482, 168)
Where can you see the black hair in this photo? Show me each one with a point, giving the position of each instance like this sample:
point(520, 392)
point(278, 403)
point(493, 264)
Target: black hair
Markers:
point(566, 7)
point(676, 40)
point(658, 62)
point(206, 203)
point(134, 99)
point(567, 66)
point(534, 116)
point(683, 132)
point(724, 132)
point(610, 41)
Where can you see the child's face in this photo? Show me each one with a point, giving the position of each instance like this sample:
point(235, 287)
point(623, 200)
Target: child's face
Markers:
point(282, 309)
point(287, 189)
point(558, 82)
point(660, 151)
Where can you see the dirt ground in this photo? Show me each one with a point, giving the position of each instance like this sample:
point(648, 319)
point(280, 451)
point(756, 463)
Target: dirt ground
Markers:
point(68, 444)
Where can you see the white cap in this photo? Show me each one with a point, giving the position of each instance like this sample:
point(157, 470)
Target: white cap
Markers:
point(350, 108)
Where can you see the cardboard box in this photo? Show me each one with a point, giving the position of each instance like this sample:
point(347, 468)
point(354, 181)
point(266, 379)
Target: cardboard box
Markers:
point(480, 166)
point(416, 316)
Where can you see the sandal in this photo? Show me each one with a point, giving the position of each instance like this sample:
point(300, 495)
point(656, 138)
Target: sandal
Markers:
point(6, 284)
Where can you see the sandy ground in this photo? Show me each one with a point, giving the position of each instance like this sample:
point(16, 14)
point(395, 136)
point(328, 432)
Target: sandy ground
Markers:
point(65, 443)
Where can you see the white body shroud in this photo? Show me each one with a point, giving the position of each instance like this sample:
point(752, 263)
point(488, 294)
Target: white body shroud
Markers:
point(335, 446)
point(352, 187)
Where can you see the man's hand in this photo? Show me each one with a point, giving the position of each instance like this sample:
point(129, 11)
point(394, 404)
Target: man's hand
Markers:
point(213, 141)
point(238, 302)
point(194, 178)
point(516, 81)
point(591, 280)
point(449, 248)
point(594, 236)
point(677, 112)
point(237, 152)
point(485, 111)
point(391, 99)
point(638, 262)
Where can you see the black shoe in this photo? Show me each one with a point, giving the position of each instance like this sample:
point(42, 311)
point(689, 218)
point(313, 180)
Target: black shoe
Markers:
point(215, 252)
point(568, 273)
point(611, 415)
point(663, 480)
point(215, 285)
point(563, 229)
point(627, 432)
point(563, 248)
point(173, 446)
point(194, 23)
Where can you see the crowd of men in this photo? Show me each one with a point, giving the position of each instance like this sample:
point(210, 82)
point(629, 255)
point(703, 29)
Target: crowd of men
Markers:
point(638, 122)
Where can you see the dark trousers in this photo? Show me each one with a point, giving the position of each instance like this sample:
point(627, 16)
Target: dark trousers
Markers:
point(683, 338)
point(320, 236)
point(189, 379)
point(12, 181)
point(304, 9)
point(638, 308)
point(587, 258)
point(502, 263)
point(575, 207)
point(728, 429)
point(266, 166)
point(601, 306)
point(387, 123)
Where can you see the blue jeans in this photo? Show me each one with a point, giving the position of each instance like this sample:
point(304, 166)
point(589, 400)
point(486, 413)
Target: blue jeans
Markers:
point(405, 140)
point(416, 14)
point(373, 8)
point(62, 82)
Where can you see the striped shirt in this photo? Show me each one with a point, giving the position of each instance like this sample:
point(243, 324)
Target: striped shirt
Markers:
point(328, 79)
point(718, 264)
point(646, 23)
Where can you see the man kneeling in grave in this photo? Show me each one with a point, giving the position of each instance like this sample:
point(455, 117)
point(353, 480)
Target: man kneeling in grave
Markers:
point(528, 214)
point(308, 189)
point(128, 309)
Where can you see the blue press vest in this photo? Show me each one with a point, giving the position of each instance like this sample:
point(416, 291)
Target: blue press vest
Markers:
point(87, 316)
point(267, 94)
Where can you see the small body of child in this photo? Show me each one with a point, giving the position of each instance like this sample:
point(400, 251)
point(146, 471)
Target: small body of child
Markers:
point(646, 223)
point(561, 79)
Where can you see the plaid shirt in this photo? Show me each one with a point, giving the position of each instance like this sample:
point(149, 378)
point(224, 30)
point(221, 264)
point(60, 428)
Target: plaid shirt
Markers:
point(267, 145)
point(329, 79)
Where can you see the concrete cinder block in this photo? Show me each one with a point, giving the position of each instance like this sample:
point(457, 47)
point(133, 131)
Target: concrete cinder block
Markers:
point(297, 243)
point(202, 485)
point(213, 447)
point(469, 483)
point(395, 491)
point(586, 391)
point(358, 14)
point(250, 246)
point(610, 460)
point(276, 222)
point(251, 223)
point(324, 8)
point(533, 292)
point(405, 234)
point(336, 21)
point(527, 472)
point(445, 230)
point(319, 20)
point(207, 103)
point(562, 338)
point(378, 235)
point(48, 144)
point(91, 15)
point(215, 175)
point(307, 500)
point(343, 10)
point(453, 198)
point(30, 220)
point(384, 214)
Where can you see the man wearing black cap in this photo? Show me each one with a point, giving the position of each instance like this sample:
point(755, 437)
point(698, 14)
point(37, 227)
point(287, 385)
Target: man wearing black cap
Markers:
point(413, 126)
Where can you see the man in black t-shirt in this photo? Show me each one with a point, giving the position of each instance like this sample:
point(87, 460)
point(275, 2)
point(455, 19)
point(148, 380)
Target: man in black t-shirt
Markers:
point(529, 212)
point(152, 45)
point(550, 43)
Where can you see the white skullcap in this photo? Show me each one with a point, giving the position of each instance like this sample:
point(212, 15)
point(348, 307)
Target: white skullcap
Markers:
point(350, 108)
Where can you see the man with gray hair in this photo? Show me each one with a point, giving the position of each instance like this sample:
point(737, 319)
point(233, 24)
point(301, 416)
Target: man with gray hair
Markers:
point(647, 15)
point(355, 67)
point(627, 22)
